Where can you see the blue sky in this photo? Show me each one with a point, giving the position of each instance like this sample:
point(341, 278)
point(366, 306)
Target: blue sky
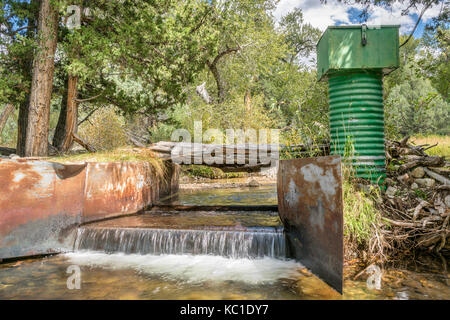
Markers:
point(354, 15)
point(335, 13)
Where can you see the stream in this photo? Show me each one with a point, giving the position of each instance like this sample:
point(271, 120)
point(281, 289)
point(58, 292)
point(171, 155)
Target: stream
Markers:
point(203, 255)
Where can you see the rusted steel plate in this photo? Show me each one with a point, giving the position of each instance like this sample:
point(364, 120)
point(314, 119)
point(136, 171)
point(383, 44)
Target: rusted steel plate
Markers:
point(171, 185)
point(41, 204)
point(117, 188)
point(310, 206)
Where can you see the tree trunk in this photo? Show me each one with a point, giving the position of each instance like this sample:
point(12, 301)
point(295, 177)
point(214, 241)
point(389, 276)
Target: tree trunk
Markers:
point(219, 82)
point(9, 108)
point(248, 101)
point(22, 124)
point(68, 116)
point(22, 120)
point(36, 143)
point(58, 136)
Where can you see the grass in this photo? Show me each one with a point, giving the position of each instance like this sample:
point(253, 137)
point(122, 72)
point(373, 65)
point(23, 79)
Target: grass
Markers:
point(361, 217)
point(442, 149)
point(117, 155)
point(360, 214)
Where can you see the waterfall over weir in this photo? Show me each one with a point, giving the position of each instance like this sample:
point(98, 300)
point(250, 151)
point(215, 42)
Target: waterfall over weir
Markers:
point(256, 243)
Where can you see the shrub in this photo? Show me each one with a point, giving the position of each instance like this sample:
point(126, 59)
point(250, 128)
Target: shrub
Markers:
point(104, 130)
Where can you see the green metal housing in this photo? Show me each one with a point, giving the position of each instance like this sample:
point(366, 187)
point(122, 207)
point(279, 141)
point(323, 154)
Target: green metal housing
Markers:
point(354, 59)
point(342, 48)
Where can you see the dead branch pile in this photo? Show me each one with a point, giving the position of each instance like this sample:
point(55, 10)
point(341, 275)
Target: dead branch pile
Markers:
point(416, 203)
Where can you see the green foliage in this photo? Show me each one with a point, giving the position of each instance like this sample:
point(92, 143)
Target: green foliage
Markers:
point(138, 54)
point(146, 58)
point(299, 102)
point(197, 171)
point(16, 49)
point(301, 37)
point(264, 83)
point(104, 130)
point(8, 138)
point(361, 218)
point(414, 107)
point(435, 60)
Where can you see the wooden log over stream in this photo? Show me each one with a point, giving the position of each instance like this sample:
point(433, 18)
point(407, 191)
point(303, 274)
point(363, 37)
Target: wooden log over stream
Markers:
point(229, 158)
point(233, 157)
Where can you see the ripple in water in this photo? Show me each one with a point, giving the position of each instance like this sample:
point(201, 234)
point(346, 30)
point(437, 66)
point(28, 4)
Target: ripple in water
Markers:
point(193, 268)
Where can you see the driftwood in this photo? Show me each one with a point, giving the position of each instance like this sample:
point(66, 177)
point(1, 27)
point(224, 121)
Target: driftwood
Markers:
point(437, 176)
point(83, 143)
point(134, 139)
point(415, 206)
point(423, 161)
point(203, 93)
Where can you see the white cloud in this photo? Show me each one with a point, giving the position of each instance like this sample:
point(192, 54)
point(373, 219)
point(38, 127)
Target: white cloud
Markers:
point(314, 12)
point(323, 15)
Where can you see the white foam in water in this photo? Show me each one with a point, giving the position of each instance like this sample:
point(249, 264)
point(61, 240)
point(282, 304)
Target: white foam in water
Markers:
point(193, 268)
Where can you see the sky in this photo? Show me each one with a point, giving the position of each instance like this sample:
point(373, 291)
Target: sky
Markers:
point(334, 13)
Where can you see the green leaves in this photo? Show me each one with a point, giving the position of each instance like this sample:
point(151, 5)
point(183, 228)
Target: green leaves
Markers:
point(414, 107)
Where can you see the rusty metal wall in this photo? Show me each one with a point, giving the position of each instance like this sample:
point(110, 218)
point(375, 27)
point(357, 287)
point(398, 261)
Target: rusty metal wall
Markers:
point(116, 188)
point(170, 186)
point(310, 206)
point(41, 204)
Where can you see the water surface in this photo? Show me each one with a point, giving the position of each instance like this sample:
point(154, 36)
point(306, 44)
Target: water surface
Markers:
point(263, 195)
point(139, 275)
point(121, 276)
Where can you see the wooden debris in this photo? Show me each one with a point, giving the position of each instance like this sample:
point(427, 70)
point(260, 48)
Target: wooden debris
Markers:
point(417, 217)
point(83, 143)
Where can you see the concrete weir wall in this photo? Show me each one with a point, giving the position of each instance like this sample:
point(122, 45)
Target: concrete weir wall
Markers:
point(42, 203)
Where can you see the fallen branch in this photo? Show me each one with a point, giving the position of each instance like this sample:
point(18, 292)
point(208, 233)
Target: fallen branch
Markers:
point(437, 176)
point(83, 143)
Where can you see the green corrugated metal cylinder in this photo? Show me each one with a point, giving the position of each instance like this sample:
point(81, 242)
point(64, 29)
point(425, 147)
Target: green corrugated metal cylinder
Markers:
point(357, 121)
point(354, 60)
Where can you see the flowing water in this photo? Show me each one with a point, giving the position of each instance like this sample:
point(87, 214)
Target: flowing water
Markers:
point(263, 195)
point(201, 255)
point(233, 244)
point(135, 276)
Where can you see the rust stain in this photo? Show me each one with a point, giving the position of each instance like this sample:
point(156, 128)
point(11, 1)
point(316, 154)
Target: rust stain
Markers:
point(41, 202)
point(310, 206)
point(114, 189)
point(35, 205)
